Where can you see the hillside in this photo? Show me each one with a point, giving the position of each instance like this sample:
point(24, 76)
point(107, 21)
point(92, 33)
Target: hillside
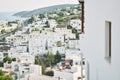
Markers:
point(42, 10)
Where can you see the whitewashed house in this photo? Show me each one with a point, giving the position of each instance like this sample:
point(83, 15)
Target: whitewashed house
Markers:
point(52, 23)
point(75, 23)
point(100, 43)
point(69, 74)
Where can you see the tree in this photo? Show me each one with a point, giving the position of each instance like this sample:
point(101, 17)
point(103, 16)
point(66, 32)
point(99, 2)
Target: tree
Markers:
point(50, 58)
point(7, 59)
point(36, 29)
point(59, 43)
point(49, 73)
point(13, 59)
point(77, 36)
point(5, 77)
point(3, 31)
point(69, 27)
point(31, 20)
point(1, 64)
point(57, 57)
point(1, 73)
point(53, 29)
point(61, 14)
point(41, 16)
point(61, 20)
point(39, 62)
point(47, 24)
point(74, 30)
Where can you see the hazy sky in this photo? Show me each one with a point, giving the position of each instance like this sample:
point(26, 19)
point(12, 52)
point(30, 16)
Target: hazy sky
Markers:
point(21, 5)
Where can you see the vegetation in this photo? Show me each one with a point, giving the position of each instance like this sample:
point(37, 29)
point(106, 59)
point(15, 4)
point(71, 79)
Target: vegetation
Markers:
point(74, 30)
point(50, 58)
point(39, 62)
point(62, 20)
point(69, 27)
point(1, 73)
point(7, 59)
point(3, 31)
point(13, 59)
point(5, 77)
point(15, 30)
point(41, 16)
point(27, 31)
point(31, 20)
point(76, 33)
point(1, 64)
point(57, 57)
point(59, 43)
point(36, 29)
point(53, 29)
point(49, 73)
point(61, 14)
point(47, 24)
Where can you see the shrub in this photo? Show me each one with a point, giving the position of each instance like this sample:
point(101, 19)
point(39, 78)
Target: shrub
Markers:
point(13, 59)
point(59, 43)
point(49, 73)
point(1, 64)
point(7, 59)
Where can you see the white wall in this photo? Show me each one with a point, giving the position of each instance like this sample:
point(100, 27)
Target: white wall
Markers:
point(93, 41)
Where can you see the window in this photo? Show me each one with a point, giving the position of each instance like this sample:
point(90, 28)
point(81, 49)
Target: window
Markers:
point(108, 40)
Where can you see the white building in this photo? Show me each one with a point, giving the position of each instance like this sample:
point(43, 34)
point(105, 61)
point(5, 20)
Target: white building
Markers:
point(101, 42)
point(69, 74)
point(75, 23)
point(74, 55)
point(52, 23)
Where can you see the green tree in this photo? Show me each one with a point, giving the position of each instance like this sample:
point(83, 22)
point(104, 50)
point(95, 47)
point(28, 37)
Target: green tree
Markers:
point(47, 24)
point(5, 77)
point(61, 14)
point(1, 73)
point(49, 73)
point(50, 58)
point(57, 57)
point(41, 16)
point(31, 20)
point(69, 27)
point(39, 62)
point(13, 59)
point(53, 29)
point(59, 43)
point(74, 30)
point(1, 64)
point(7, 59)
point(77, 36)
point(61, 20)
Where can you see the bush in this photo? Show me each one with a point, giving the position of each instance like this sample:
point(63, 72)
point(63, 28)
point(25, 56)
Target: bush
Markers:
point(7, 59)
point(59, 43)
point(69, 27)
point(3, 31)
point(5, 77)
point(1, 64)
point(13, 59)
point(74, 30)
point(49, 73)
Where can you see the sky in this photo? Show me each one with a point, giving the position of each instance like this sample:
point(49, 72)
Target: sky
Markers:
point(26, 5)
